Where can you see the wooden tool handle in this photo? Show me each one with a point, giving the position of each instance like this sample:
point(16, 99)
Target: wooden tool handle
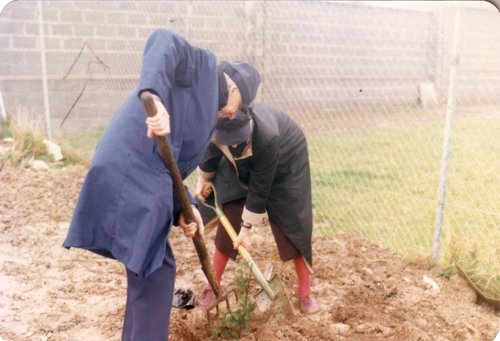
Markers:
point(180, 192)
point(169, 161)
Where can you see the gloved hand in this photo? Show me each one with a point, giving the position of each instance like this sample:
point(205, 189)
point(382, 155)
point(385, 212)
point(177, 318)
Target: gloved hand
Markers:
point(190, 229)
point(159, 124)
point(244, 239)
point(203, 188)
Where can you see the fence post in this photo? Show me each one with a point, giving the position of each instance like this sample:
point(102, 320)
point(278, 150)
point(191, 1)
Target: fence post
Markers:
point(263, 54)
point(450, 111)
point(43, 63)
point(189, 17)
point(3, 114)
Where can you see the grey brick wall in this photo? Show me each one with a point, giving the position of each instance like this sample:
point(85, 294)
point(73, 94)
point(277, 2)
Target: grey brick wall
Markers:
point(316, 58)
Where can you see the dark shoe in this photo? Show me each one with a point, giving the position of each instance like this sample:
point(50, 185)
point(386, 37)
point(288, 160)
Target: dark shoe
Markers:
point(208, 297)
point(183, 298)
point(308, 305)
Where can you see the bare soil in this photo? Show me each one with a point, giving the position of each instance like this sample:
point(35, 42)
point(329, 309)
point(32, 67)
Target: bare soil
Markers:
point(365, 291)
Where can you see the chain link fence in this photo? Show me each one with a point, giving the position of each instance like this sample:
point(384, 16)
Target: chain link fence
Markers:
point(399, 103)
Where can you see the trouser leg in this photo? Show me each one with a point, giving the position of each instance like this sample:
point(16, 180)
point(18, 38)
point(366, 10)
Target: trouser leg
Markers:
point(233, 211)
point(149, 300)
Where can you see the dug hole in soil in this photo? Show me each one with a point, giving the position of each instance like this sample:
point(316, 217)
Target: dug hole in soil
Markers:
point(365, 292)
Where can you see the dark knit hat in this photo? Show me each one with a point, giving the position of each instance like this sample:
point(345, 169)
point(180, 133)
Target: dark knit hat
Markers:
point(246, 77)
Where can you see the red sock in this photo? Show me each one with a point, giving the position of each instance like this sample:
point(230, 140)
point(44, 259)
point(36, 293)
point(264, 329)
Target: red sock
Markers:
point(220, 262)
point(303, 276)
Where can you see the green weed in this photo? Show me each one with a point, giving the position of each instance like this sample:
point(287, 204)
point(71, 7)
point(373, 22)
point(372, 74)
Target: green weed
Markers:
point(235, 322)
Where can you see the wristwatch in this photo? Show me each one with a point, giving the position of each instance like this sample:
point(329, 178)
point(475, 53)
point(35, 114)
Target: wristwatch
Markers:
point(246, 225)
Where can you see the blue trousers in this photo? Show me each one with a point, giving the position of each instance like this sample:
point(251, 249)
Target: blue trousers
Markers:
point(149, 300)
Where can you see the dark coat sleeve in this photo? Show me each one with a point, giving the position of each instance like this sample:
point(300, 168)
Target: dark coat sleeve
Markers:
point(211, 159)
point(262, 176)
point(227, 184)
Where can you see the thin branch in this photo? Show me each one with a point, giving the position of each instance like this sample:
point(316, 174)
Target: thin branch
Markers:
point(88, 72)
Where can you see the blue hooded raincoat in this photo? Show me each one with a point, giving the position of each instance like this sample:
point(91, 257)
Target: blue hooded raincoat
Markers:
point(126, 206)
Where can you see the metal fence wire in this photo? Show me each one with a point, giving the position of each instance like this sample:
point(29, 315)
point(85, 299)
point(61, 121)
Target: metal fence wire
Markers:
point(399, 102)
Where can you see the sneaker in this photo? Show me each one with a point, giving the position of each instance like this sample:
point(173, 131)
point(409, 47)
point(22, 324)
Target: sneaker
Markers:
point(308, 305)
point(208, 297)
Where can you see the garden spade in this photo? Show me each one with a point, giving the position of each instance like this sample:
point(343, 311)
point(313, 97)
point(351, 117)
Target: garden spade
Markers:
point(272, 289)
point(180, 191)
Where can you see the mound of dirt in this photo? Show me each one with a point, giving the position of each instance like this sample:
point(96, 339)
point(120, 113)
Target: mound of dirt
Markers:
point(365, 292)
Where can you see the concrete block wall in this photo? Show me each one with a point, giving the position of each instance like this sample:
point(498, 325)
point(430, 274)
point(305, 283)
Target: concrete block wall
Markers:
point(329, 57)
point(316, 58)
point(93, 52)
point(479, 57)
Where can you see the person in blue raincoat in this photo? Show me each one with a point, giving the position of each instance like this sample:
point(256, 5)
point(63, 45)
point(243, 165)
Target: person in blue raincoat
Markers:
point(127, 207)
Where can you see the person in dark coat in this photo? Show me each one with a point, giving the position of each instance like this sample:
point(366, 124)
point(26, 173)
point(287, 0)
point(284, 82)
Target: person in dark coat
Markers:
point(267, 153)
point(127, 207)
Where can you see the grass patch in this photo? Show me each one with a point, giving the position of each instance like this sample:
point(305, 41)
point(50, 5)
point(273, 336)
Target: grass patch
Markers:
point(379, 183)
point(82, 142)
point(79, 147)
point(27, 145)
point(5, 129)
point(382, 183)
point(482, 270)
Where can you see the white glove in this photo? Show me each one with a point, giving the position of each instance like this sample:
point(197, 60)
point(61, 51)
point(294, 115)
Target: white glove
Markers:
point(244, 239)
point(190, 229)
point(203, 189)
point(250, 218)
point(159, 124)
